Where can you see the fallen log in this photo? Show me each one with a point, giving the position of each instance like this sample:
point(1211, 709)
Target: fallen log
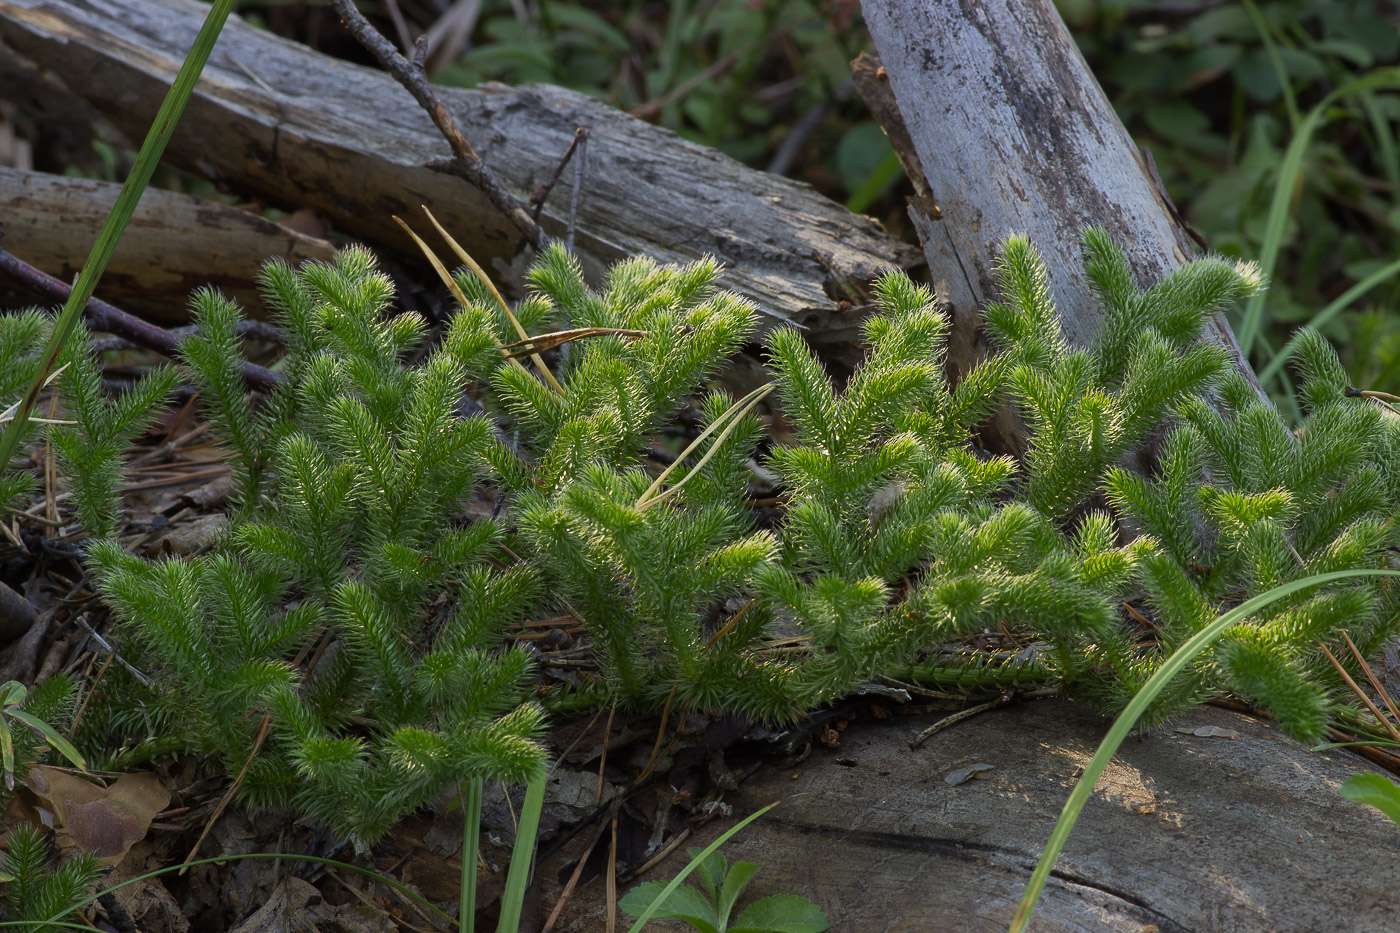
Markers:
point(276, 121)
point(1218, 822)
point(175, 244)
point(1012, 134)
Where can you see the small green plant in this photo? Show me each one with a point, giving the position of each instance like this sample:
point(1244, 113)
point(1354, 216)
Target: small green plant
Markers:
point(708, 907)
point(350, 613)
point(1375, 790)
point(340, 647)
point(34, 889)
point(353, 617)
point(51, 700)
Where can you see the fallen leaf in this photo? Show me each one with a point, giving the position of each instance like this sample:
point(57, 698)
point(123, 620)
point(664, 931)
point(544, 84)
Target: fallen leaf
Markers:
point(106, 821)
point(1208, 732)
point(962, 775)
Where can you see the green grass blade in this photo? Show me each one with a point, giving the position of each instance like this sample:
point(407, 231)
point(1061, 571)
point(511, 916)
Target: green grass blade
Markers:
point(1284, 186)
point(1337, 306)
point(146, 161)
point(875, 184)
point(695, 863)
point(1290, 100)
point(405, 892)
point(1383, 137)
point(471, 845)
point(521, 856)
point(1134, 710)
point(50, 734)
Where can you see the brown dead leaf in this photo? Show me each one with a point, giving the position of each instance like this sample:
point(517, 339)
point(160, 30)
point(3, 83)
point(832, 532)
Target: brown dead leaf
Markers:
point(107, 821)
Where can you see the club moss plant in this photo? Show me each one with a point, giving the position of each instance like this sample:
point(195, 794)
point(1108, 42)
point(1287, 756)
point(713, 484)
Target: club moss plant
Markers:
point(341, 647)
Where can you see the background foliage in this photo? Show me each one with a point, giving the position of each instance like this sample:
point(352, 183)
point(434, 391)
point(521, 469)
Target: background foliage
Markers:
point(1215, 90)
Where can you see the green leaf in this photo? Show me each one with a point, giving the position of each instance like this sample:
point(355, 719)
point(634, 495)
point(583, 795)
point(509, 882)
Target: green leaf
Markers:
point(7, 753)
point(64, 747)
point(1374, 790)
point(734, 883)
point(781, 913)
point(12, 693)
point(684, 903)
point(710, 870)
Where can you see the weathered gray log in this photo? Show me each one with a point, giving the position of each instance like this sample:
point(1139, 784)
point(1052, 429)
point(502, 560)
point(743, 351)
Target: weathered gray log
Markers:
point(175, 244)
point(1186, 832)
point(297, 129)
point(1014, 135)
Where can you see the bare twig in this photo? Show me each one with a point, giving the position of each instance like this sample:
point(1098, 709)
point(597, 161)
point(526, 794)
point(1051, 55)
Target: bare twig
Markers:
point(256, 330)
point(958, 717)
point(465, 162)
point(541, 194)
point(105, 317)
point(578, 184)
point(263, 728)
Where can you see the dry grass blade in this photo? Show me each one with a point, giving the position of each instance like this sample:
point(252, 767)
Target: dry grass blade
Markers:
point(443, 274)
point(612, 881)
point(660, 737)
point(730, 420)
point(263, 729)
point(1383, 693)
point(546, 342)
point(724, 629)
point(9, 413)
point(1361, 694)
point(480, 273)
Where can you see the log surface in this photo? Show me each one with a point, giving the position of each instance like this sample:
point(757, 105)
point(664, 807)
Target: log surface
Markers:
point(1185, 833)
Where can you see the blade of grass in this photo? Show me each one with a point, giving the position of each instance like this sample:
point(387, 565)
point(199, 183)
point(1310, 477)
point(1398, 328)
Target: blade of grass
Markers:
point(1290, 100)
point(403, 891)
point(485, 280)
point(1285, 185)
point(50, 735)
point(875, 184)
point(1134, 710)
point(1335, 307)
point(521, 856)
point(146, 161)
point(447, 280)
point(1383, 137)
point(471, 846)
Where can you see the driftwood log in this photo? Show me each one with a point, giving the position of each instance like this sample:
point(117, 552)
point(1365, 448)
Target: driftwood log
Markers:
point(1011, 133)
point(276, 121)
point(175, 244)
point(1234, 830)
